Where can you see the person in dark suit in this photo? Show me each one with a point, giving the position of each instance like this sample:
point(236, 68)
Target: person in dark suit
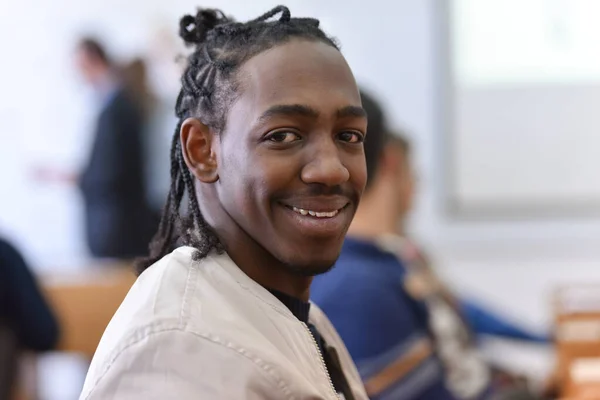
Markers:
point(119, 220)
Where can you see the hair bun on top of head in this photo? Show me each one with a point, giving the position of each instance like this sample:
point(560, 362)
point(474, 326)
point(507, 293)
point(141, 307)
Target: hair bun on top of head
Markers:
point(194, 30)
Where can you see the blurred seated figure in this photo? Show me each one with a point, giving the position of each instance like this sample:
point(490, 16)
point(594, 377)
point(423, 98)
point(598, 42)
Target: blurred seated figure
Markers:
point(26, 321)
point(410, 337)
point(22, 305)
point(9, 360)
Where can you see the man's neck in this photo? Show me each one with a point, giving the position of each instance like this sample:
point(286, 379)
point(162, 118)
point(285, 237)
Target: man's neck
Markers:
point(270, 273)
point(256, 262)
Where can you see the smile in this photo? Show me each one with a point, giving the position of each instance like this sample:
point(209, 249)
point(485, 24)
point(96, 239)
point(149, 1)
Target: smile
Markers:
point(325, 218)
point(317, 214)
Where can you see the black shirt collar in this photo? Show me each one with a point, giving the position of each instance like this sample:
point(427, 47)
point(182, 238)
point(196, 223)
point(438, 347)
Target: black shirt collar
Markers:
point(299, 308)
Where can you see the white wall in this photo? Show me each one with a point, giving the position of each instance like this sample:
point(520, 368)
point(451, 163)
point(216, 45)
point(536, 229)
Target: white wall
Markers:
point(527, 95)
point(393, 48)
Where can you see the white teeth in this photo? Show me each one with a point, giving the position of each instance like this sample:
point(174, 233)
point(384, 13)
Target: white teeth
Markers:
point(325, 214)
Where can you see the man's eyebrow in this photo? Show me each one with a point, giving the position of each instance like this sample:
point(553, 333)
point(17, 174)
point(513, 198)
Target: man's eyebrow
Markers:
point(307, 111)
point(351, 111)
point(290, 110)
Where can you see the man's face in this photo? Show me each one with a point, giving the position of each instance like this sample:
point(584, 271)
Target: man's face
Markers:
point(291, 163)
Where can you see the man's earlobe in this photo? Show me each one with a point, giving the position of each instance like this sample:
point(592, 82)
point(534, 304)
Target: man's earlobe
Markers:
point(197, 148)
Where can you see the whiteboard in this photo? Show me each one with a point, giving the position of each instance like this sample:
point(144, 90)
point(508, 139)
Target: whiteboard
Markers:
point(524, 123)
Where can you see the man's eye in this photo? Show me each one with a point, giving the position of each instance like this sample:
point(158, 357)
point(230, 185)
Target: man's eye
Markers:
point(351, 137)
point(283, 137)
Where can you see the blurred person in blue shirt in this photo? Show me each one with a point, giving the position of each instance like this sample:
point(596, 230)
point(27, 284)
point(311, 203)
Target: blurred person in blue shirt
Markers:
point(410, 337)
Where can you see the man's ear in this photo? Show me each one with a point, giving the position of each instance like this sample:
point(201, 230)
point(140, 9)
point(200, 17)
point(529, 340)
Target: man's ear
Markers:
point(197, 147)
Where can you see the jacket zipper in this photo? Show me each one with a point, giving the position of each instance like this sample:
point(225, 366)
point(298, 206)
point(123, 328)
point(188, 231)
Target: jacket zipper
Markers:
point(322, 360)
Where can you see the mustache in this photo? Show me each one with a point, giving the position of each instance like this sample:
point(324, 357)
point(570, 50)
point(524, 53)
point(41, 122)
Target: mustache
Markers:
point(318, 190)
point(319, 193)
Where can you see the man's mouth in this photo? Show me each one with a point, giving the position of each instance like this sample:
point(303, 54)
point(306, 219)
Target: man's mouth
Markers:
point(324, 217)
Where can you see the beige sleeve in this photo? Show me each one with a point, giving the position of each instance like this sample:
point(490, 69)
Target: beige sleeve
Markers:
point(175, 364)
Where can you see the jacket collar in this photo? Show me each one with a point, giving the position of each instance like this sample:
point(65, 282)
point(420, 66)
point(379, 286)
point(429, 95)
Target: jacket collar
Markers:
point(251, 286)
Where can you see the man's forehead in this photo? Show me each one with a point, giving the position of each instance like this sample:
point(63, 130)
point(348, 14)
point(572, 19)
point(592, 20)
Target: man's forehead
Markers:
point(294, 72)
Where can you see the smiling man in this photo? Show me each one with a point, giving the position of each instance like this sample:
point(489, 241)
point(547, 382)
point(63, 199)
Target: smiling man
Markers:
point(269, 152)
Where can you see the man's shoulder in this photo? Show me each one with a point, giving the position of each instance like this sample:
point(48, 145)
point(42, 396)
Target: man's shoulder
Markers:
point(167, 304)
point(182, 361)
point(164, 289)
point(164, 297)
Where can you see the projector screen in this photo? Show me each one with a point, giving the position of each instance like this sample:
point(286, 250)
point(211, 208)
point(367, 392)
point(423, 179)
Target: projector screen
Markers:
point(524, 108)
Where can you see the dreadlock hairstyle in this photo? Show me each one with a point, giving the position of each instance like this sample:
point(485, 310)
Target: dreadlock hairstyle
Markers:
point(209, 86)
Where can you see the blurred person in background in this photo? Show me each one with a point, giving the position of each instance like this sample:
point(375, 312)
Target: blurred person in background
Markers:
point(119, 221)
point(409, 335)
point(23, 308)
point(166, 63)
point(134, 77)
point(158, 121)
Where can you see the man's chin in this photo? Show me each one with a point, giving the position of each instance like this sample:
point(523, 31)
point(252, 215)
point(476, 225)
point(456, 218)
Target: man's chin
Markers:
point(312, 269)
point(307, 261)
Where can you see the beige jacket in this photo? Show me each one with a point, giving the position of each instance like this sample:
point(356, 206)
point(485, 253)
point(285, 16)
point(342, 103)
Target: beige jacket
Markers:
point(204, 330)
